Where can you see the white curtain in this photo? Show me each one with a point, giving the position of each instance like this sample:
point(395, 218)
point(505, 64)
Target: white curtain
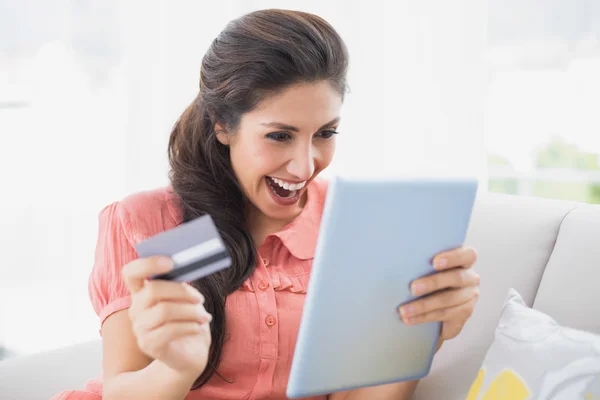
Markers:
point(417, 80)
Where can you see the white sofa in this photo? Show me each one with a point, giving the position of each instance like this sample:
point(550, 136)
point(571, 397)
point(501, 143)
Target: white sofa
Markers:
point(548, 250)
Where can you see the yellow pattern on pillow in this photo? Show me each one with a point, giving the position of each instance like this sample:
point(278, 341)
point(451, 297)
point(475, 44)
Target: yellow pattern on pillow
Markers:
point(506, 386)
point(476, 386)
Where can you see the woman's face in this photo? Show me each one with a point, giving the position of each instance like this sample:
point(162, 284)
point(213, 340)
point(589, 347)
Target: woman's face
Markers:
point(283, 144)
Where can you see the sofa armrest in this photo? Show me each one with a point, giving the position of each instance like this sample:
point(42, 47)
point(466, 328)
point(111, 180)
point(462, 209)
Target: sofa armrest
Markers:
point(41, 376)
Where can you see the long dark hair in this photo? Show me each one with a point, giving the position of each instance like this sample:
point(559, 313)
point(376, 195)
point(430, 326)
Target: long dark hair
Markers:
point(256, 55)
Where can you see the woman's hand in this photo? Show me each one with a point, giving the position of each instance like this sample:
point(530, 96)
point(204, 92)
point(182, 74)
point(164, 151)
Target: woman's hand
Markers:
point(451, 293)
point(168, 318)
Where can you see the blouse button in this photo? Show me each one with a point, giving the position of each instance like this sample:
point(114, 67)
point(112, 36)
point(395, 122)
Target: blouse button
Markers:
point(265, 262)
point(270, 321)
point(263, 285)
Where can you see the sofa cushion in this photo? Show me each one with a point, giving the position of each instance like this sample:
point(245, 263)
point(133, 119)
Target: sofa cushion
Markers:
point(570, 287)
point(533, 356)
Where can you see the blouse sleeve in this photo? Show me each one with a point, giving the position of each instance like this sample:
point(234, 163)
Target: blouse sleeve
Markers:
point(114, 249)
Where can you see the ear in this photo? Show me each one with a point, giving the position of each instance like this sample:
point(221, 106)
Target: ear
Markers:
point(222, 135)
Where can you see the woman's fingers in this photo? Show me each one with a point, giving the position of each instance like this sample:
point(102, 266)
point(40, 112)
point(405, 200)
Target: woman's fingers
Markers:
point(439, 301)
point(168, 312)
point(449, 295)
point(463, 257)
point(156, 291)
point(458, 313)
point(454, 278)
point(136, 272)
point(156, 341)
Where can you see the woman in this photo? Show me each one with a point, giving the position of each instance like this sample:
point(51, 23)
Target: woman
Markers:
point(248, 152)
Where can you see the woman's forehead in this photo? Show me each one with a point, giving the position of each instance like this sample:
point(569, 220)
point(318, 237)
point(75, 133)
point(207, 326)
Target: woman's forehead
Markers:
point(304, 106)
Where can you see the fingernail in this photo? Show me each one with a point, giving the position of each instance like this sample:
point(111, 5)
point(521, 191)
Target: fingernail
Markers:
point(441, 263)
point(418, 288)
point(406, 310)
point(165, 262)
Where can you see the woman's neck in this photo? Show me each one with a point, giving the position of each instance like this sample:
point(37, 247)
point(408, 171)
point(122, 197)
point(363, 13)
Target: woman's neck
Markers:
point(260, 231)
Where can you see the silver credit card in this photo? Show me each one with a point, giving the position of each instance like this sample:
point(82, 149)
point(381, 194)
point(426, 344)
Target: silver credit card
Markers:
point(196, 248)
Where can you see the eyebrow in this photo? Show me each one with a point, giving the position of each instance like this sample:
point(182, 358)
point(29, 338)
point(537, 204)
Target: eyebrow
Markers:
point(286, 127)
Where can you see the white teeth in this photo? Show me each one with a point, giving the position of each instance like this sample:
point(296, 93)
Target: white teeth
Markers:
point(288, 186)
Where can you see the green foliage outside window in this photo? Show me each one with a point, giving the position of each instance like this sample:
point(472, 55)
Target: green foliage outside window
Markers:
point(557, 154)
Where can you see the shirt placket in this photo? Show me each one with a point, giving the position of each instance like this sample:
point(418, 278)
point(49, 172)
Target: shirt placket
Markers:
point(268, 326)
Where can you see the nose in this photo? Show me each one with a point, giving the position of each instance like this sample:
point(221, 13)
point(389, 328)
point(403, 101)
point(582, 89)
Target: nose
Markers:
point(302, 164)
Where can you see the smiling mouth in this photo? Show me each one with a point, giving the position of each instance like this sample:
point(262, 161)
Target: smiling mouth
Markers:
point(284, 189)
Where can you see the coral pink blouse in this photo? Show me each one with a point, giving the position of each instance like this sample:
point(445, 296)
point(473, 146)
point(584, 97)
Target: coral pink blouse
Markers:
point(262, 317)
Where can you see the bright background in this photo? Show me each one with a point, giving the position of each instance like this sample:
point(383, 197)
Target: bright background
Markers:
point(89, 89)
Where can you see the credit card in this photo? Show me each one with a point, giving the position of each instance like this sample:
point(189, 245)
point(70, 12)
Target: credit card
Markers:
point(196, 248)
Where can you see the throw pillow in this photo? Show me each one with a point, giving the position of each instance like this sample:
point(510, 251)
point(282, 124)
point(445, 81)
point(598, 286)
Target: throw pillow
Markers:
point(533, 357)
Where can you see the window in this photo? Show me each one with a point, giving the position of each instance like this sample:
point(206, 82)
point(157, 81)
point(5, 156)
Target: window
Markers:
point(542, 124)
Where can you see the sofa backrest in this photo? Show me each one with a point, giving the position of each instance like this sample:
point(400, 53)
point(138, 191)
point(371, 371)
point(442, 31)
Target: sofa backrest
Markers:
point(547, 250)
point(570, 287)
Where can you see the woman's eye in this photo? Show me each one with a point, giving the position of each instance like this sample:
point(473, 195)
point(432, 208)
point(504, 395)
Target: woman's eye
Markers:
point(279, 136)
point(327, 134)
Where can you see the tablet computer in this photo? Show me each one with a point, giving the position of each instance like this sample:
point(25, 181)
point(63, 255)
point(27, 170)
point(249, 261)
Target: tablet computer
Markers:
point(376, 237)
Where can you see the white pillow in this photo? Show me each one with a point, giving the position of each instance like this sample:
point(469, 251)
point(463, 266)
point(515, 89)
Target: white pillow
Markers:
point(534, 358)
